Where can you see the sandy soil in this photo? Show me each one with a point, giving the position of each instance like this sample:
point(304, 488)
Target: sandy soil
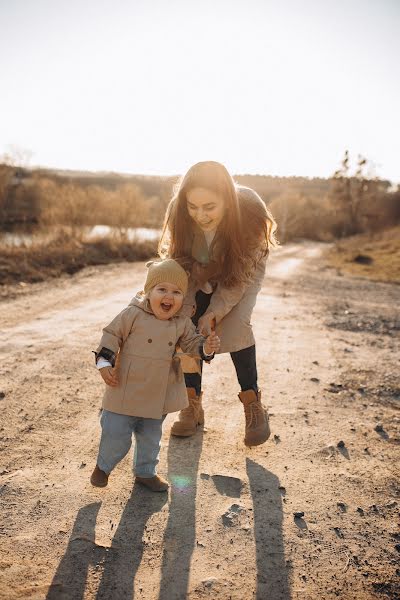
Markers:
point(327, 349)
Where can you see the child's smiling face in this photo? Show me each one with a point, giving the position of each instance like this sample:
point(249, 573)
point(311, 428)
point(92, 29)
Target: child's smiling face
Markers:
point(165, 300)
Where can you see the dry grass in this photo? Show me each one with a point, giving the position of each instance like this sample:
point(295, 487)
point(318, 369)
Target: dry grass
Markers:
point(375, 256)
point(303, 208)
point(67, 255)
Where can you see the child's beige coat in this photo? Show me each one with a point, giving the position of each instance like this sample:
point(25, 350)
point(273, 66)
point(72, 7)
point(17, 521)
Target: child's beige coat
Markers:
point(151, 381)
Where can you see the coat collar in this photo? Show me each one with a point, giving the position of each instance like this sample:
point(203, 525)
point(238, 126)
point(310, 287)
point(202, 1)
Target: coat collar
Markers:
point(141, 302)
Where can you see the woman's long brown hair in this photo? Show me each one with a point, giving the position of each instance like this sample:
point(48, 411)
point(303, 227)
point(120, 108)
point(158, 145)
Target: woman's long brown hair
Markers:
point(244, 235)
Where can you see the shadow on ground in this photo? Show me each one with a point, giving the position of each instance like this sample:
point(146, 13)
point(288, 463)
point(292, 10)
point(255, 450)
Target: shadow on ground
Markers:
point(70, 578)
point(118, 564)
point(180, 533)
point(272, 571)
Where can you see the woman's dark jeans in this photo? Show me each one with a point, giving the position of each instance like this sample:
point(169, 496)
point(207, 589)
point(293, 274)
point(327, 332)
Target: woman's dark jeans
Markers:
point(244, 360)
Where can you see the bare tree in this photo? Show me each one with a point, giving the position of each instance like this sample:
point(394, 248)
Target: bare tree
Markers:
point(353, 192)
point(16, 156)
point(342, 194)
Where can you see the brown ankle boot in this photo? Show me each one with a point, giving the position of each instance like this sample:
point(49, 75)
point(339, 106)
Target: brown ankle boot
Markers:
point(155, 484)
point(190, 417)
point(98, 477)
point(257, 426)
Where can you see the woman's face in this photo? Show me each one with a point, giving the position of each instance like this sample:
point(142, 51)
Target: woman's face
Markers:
point(206, 208)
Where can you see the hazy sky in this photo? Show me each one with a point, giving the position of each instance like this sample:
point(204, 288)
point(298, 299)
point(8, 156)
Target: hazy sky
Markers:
point(277, 87)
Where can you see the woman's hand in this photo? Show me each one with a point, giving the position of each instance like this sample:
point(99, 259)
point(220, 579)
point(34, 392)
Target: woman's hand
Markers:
point(206, 323)
point(109, 375)
point(212, 343)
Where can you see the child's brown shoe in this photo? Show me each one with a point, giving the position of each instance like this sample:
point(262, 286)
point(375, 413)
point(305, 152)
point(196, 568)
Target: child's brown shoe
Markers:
point(155, 484)
point(99, 478)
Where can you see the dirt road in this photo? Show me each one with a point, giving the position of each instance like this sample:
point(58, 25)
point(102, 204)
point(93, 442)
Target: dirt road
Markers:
point(328, 369)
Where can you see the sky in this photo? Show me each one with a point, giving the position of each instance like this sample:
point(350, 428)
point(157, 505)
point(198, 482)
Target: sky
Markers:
point(275, 87)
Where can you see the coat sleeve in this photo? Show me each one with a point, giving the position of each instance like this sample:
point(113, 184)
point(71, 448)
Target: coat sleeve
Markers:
point(118, 330)
point(190, 341)
point(224, 299)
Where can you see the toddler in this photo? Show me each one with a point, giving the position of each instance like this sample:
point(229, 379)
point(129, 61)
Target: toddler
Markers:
point(138, 361)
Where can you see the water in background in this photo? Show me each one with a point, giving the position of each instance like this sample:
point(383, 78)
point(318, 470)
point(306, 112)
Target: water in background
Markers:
point(98, 231)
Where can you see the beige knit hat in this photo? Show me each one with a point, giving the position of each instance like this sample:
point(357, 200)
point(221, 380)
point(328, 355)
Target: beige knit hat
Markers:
point(168, 271)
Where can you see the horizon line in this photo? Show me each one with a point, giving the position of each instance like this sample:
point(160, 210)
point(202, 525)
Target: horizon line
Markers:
point(172, 175)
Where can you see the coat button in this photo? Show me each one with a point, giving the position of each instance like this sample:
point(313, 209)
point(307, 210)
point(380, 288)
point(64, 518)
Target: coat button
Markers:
point(149, 340)
point(170, 344)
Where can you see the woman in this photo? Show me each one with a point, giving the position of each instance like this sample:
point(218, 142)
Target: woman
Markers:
point(222, 233)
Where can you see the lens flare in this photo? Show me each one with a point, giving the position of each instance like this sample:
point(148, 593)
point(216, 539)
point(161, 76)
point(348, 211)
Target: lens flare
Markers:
point(181, 483)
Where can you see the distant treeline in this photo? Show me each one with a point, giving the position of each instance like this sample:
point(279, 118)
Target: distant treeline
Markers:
point(316, 208)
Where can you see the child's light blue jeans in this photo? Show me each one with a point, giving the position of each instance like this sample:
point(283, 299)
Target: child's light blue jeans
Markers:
point(116, 440)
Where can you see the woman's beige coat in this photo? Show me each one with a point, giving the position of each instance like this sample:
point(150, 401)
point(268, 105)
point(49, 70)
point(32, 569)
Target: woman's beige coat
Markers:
point(232, 307)
point(151, 381)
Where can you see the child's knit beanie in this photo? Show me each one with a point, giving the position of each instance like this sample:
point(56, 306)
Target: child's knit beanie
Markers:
point(168, 271)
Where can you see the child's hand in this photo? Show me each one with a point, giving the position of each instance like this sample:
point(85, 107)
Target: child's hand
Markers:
point(212, 343)
point(109, 375)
